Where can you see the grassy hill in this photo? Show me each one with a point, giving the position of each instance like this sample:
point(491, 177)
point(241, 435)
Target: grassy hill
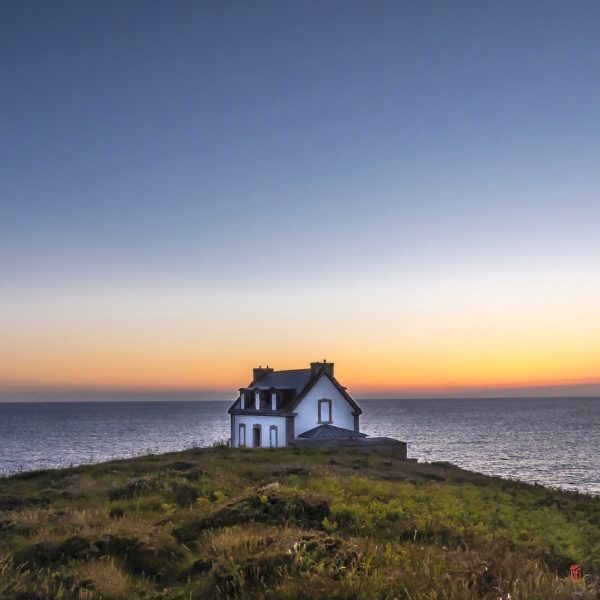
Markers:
point(223, 523)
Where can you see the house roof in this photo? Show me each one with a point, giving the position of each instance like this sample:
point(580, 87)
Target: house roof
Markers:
point(295, 384)
point(330, 432)
point(294, 379)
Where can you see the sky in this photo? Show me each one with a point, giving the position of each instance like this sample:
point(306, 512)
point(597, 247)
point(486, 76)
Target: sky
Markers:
point(192, 189)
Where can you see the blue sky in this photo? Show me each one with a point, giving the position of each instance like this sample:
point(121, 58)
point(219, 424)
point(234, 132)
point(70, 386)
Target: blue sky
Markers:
point(205, 148)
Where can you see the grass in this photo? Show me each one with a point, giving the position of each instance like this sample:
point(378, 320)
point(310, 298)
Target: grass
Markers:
point(225, 523)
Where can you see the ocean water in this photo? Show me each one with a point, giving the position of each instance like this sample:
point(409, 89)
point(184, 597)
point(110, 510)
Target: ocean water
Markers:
point(553, 441)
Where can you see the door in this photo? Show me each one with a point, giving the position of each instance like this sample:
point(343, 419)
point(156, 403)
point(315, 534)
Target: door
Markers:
point(273, 436)
point(256, 436)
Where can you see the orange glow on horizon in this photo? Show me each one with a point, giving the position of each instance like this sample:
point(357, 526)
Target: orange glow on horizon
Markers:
point(427, 339)
point(185, 372)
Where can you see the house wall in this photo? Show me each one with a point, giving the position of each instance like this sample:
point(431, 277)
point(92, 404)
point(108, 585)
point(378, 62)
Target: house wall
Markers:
point(307, 410)
point(265, 422)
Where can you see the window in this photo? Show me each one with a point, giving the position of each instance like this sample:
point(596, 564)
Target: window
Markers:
point(325, 411)
point(242, 435)
point(273, 436)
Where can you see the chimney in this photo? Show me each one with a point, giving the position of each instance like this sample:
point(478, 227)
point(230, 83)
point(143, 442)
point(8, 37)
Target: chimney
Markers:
point(321, 367)
point(258, 372)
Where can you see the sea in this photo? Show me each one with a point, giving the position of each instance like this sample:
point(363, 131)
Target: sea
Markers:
point(551, 441)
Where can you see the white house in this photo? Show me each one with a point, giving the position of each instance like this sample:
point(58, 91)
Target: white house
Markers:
point(283, 407)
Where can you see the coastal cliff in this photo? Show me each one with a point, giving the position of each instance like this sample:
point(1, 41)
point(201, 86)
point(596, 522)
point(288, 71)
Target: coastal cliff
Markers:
point(290, 523)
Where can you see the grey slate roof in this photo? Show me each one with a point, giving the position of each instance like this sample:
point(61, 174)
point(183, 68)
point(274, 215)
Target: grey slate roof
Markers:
point(293, 385)
point(330, 432)
point(294, 379)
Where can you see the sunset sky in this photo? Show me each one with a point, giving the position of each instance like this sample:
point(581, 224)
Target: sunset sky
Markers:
point(191, 189)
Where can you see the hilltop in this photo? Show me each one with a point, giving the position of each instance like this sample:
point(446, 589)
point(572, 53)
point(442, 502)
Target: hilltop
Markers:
point(290, 523)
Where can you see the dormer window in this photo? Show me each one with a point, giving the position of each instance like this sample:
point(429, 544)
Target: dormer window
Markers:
point(325, 415)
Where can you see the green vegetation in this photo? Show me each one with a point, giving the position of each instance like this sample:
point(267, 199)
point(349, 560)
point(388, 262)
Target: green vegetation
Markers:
point(223, 523)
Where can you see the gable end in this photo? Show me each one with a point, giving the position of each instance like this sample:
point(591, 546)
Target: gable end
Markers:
point(356, 410)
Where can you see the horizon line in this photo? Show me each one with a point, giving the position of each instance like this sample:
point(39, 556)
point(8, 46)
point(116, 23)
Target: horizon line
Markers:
point(56, 395)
